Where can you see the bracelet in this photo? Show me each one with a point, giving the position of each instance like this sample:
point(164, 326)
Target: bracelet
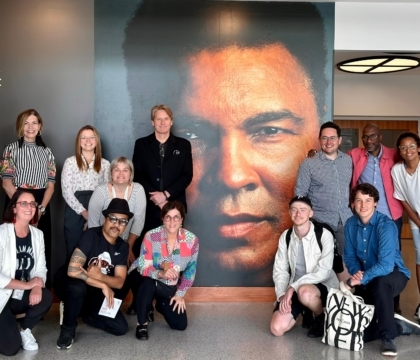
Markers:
point(164, 193)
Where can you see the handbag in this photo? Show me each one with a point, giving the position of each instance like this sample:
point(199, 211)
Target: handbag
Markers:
point(346, 318)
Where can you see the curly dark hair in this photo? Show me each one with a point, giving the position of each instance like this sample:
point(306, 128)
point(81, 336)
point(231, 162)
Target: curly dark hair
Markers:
point(171, 205)
point(365, 189)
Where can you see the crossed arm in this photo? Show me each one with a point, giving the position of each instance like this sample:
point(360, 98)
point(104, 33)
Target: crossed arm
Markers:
point(94, 277)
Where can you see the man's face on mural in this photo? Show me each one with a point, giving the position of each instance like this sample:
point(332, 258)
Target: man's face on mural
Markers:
point(251, 117)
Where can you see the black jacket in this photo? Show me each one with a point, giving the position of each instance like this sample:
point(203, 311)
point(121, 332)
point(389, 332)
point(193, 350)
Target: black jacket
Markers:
point(175, 175)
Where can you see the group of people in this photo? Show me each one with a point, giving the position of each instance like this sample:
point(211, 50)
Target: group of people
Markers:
point(355, 202)
point(120, 215)
point(123, 230)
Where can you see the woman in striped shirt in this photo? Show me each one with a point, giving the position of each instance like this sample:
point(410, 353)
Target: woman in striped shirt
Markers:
point(81, 175)
point(29, 164)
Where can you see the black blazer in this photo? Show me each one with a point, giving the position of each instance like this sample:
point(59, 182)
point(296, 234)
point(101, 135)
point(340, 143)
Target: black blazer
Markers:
point(177, 168)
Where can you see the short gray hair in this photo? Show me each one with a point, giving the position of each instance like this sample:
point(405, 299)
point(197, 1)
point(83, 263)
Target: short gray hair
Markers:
point(124, 160)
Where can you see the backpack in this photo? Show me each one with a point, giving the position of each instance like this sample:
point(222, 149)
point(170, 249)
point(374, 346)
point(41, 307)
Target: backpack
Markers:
point(319, 228)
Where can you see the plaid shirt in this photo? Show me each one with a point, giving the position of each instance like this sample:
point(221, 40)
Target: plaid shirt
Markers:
point(327, 183)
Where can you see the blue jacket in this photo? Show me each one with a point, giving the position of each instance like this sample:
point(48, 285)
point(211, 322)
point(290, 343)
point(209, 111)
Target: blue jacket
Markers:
point(372, 248)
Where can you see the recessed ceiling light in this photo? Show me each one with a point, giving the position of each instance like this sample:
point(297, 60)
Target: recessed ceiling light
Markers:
point(379, 64)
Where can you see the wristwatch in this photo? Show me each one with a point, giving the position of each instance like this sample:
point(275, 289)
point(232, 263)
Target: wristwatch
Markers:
point(40, 207)
point(348, 282)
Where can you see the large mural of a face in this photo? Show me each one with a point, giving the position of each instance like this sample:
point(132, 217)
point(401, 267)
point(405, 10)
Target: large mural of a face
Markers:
point(248, 85)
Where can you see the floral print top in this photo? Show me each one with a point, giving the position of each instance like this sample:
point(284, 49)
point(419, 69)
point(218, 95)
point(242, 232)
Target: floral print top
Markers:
point(154, 256)
point(30, 166)
point(73, 179)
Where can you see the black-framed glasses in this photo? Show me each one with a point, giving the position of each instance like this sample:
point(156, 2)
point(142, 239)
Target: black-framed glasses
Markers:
point(372, 137)
point(32, 204)
point(168, 218)
point(114, 220)
point(410, 146)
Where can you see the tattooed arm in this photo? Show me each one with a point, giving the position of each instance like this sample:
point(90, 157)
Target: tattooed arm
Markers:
point(77, 261)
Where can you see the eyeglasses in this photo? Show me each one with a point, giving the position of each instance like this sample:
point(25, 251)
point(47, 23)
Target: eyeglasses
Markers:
point(372, 137)
point(405, 147)
point(331, 138)
point(91, 138)
point(32, 204)
point(168, 218)
point(114, 220)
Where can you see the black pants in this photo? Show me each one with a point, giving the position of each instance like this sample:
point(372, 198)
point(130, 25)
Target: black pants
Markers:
point(44, 224)
point(74, 223)
point(10, 339)
point(82, 299)
point(381, 292)
point(148, 291)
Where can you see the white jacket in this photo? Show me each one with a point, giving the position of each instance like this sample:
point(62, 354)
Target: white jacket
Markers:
point(8, 258)
point(318, 265)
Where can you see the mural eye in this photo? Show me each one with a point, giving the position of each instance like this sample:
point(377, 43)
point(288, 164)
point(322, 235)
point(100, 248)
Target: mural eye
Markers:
point(191, 135)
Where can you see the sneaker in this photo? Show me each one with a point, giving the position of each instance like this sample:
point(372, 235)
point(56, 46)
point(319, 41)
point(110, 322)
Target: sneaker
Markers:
point(397, 309)
point(307, 319)
point(142, 333)
point(317, 328)
point(28, 340)
point(388, 348)
point(408, 327)
point(66, 338)
point(61, 312)
point(417, 313)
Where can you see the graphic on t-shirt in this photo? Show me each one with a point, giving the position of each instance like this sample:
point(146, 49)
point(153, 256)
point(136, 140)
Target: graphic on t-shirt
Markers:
point(104, 260)
point(25, 257)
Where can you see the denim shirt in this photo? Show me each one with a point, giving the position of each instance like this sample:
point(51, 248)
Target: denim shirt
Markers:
point(373, 247)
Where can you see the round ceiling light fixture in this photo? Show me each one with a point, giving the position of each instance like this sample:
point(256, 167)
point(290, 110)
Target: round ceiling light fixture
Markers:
point(379, 64)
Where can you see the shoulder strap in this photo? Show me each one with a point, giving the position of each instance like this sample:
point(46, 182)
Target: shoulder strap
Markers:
point(318, 234)
point(288, 236)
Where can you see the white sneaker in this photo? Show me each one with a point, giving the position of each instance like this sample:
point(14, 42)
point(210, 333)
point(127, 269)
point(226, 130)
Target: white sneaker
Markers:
point(28, 340)
point(61, 312)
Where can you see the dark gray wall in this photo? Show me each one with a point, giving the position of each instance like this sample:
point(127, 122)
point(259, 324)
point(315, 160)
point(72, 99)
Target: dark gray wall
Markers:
point(47, 63)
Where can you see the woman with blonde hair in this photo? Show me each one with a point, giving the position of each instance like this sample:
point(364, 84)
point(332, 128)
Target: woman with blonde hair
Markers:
point(82, 173)
point(29, 164)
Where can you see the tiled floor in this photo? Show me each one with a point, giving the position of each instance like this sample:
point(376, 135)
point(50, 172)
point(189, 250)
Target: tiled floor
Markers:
point(217, 331)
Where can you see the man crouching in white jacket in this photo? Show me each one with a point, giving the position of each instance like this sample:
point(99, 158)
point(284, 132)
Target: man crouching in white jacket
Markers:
point(302, 272)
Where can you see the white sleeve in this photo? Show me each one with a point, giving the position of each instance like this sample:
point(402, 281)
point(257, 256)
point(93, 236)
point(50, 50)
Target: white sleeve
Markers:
point(281, 274)
point(67, 186)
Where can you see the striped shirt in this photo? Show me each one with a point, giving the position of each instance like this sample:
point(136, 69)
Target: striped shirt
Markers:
point(29, 166)
point(137, 203)
point(327, 183)
point(73, 179)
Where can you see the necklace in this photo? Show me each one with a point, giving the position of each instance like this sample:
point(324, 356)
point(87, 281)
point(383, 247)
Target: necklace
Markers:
point(114, 193)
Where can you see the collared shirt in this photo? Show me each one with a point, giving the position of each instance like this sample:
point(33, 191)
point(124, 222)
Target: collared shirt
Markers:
point(389, 157)
point(154, 256)
point(373, 247)
point(73, 179)
point(318, 263)
point(327, 183)
point(371, 174)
